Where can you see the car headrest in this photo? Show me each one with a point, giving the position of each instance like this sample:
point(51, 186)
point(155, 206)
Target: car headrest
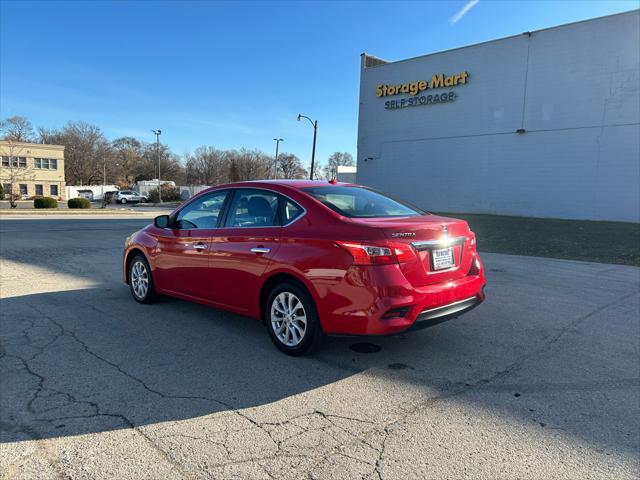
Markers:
point(259, 207)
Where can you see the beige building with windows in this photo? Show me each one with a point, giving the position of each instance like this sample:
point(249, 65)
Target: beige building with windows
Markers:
point(33, 169)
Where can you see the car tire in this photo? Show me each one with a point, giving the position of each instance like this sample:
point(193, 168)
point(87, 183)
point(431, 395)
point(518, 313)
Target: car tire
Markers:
point(141, 281)
point(292, 320)
point(123, 201)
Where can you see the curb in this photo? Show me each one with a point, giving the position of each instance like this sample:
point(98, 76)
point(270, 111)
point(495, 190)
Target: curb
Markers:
point(53, 211)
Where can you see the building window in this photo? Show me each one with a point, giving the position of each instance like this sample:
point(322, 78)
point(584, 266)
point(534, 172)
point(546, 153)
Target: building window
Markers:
point(54, 190)
point(7, 190)
point(45, 163)
point(20, 162)
point(39, 190)
point(24, 191)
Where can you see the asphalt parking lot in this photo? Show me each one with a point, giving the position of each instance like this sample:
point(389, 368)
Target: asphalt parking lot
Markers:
point(541, 381)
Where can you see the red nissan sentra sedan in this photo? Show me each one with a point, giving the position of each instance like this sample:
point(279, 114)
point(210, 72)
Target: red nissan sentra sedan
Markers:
point(309, 258)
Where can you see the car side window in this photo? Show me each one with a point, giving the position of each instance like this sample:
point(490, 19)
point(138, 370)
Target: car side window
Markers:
point(253, 208)
point(290, 211)
point(202, 212)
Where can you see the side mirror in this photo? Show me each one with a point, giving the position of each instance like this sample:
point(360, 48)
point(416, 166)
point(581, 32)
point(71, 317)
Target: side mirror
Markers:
point(161, 221)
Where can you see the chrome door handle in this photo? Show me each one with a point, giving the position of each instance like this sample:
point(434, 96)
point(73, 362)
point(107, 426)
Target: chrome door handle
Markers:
point(260, 250)
point(200, 246)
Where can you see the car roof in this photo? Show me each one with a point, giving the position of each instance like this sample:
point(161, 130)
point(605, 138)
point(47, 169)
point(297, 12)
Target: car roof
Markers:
point(297, 184)
point(292, 184)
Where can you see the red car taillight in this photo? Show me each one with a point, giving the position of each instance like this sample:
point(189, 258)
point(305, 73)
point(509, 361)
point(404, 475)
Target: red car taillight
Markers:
point(384, 254)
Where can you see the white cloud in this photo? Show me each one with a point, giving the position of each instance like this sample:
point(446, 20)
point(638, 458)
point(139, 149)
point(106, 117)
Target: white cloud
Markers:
point(463, 11)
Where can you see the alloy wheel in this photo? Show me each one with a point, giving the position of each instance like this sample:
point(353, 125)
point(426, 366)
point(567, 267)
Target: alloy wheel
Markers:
point(288, 319)
point(139, 279)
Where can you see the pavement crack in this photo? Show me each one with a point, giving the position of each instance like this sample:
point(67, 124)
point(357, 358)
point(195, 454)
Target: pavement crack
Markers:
point(378, 465)
point(138, 380)
point(457, 389)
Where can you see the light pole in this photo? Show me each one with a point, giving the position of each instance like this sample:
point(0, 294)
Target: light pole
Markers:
point(275, 163)
point(104, 178)
point(157, 134)
point(315, 132)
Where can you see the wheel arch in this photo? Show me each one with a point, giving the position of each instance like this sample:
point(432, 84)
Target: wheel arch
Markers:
point(130, 254)
point(277, 278)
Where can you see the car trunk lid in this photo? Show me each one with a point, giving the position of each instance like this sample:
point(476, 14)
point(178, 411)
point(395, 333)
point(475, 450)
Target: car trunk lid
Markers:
point(442, 246)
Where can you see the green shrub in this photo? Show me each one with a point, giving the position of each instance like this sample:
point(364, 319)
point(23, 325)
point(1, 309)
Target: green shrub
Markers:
point(169, 194)
point(1, 192)
point(79, 203)
point(45, 202)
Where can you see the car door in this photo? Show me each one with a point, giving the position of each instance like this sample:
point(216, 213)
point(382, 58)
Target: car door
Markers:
point(243, 247)
point(182, 261)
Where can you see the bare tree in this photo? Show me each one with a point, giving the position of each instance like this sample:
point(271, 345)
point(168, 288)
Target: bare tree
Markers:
point(207, 166)
point(336, 160)
point(248, 165)
point(15, 132)
point(170, 165)
point(87, 151)
point(290, 166)
point(126, 160)
point(318, 171)
point(17, 129)
point(89, 156)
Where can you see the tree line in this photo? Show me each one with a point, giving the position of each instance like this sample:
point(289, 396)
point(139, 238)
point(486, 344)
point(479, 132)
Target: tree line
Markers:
point(90, 157)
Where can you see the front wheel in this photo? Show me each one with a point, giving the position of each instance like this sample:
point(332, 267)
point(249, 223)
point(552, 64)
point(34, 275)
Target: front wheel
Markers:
point(123, 201)
point(292, 320)
point(140, 280)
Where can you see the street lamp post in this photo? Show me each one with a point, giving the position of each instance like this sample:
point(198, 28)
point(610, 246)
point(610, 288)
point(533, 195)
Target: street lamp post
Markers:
point(275, 163)
point(157, 134)
point(314, 124)
point(104, 177)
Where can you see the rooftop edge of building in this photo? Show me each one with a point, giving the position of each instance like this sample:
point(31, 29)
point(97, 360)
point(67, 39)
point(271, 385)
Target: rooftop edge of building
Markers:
point(370, 61)
point(48, 146)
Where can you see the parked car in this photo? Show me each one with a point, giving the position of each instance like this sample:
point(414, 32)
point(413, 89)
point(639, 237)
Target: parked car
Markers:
point(124, 196)
point(309, 259)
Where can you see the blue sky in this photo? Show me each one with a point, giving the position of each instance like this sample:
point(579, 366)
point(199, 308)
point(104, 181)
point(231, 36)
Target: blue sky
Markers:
point(233, 74)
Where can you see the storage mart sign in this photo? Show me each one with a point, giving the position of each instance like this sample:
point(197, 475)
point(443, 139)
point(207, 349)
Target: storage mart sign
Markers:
point(416, 88)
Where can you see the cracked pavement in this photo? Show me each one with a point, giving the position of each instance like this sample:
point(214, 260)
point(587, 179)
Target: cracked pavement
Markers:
point(541, 381)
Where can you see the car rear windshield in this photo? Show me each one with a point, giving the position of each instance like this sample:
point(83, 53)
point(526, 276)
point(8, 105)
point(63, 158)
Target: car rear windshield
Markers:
point(358, 202)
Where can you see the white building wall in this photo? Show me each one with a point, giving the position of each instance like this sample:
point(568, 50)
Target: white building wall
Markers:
point(575, 89)
point(145, 186)
point(98, 190)
point(188, 191)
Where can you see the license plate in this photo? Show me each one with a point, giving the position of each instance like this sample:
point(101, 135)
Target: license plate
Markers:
point(443, 258)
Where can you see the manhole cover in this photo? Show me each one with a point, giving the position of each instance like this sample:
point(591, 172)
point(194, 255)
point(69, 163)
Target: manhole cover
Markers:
point(365, 347)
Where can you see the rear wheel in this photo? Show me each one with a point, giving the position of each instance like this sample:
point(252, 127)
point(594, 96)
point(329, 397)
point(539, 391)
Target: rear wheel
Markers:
point(123, 201)
point(292, 320)
point(140, 280)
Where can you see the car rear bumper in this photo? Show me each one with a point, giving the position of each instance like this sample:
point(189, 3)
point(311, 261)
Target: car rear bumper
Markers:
point(379, 301)
point(433, 316)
